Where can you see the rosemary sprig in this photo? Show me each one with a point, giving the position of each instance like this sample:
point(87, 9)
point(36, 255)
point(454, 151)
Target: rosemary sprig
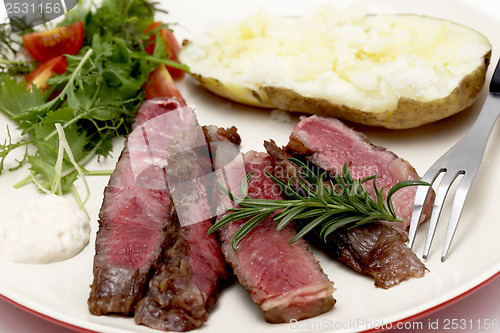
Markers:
point(331, 204)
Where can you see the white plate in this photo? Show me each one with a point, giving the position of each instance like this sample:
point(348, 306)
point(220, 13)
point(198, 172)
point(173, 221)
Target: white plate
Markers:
point(60, 290)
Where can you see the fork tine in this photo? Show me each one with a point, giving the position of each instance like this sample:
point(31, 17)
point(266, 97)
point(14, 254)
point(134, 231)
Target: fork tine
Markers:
point(442, 191)
point(456, 211)
point(466, 153)
point(418, 207)
point(420, 200)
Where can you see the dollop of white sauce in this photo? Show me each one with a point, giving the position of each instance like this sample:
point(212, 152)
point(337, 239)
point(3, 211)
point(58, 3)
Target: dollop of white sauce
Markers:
point(46, 230)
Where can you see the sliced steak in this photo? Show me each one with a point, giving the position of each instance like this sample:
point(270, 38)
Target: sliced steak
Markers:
point(329, 144)
point(284, 279)
point(134, 220)
point(375, 249)
point(185, 286)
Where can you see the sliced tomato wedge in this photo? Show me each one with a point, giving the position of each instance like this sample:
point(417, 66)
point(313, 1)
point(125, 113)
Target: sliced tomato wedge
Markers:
point(161, 84)
point(171, 44)
point(44, 45)
point(46, 70)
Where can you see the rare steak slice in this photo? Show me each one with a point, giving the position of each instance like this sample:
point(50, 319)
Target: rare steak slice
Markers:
point(284, 279)
point(329, 144)
point(135, 216)
point(186, 283)
point(376, 249)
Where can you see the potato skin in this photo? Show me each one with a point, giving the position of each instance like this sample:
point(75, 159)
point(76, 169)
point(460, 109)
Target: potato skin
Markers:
point(409, 113)
point(234, 92)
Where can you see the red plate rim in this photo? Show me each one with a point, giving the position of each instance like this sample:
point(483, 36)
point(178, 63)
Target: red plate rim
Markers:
point(47, 317)
point(412, 318)
point(437, 307)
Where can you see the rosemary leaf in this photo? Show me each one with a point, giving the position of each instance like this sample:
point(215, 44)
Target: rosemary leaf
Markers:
point(317, 203)
point(288, 215)
point(336, 223)
point(326, 216)
point(399, 186)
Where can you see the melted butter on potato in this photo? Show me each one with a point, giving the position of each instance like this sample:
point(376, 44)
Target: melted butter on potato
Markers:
point(374, 69)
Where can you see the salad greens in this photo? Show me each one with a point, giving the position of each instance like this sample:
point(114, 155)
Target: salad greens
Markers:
point(94, 101)
point(9, 48)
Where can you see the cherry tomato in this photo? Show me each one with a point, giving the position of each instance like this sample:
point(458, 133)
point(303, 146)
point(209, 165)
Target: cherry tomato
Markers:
point(43, 45)
point(161, 84)
point(171, 44)
point(45, 70)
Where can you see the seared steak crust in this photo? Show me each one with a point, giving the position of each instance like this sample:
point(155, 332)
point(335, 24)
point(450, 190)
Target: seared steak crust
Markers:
point(375, 249)
point(185, 286)
point(133, 225)
point(141, 238)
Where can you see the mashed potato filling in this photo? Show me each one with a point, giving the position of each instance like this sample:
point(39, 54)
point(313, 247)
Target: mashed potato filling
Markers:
point(367, 62)
point(47, 230)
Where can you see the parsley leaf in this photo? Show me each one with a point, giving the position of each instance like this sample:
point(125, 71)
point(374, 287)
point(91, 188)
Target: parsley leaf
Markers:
point(15, 98)
point(94, 101)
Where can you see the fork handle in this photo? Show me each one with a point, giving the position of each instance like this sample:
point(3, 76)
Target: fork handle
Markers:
point(481, 129)
point(495, 80)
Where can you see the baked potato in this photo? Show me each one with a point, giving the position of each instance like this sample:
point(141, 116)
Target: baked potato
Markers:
point(391, 70)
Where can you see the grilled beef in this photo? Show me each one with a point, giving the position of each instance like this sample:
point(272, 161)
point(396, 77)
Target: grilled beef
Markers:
point(135, 216)
point(376, 249)
point(329, 144)
point(284, 279)
point(185, 286)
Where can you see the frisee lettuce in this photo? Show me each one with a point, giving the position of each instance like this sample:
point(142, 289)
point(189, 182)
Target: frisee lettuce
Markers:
point(93, 102)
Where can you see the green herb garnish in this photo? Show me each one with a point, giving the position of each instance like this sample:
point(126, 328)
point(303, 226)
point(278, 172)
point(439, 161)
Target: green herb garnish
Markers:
point(327, 204)
point(10, 46)
point(94, 101)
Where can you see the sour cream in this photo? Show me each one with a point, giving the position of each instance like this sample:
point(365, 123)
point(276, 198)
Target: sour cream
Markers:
point(46, 230)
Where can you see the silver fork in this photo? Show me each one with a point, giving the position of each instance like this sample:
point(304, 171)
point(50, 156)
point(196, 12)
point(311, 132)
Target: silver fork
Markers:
point(462, 159)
